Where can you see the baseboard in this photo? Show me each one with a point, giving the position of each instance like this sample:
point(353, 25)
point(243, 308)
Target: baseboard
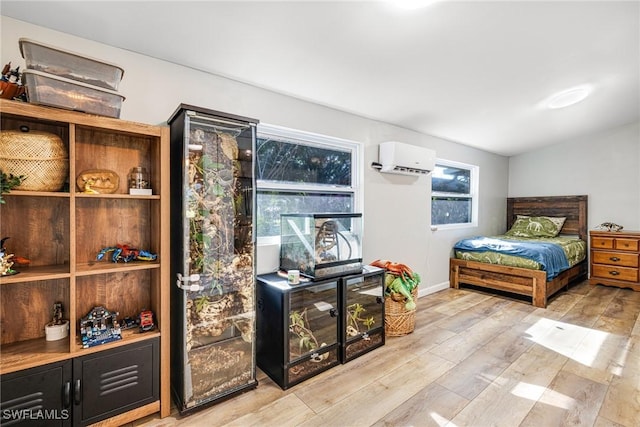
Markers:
point(422, 290)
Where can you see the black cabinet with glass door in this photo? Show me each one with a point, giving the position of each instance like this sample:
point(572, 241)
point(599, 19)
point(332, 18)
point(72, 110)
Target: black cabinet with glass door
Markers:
point(298, 328)
point(362, 302)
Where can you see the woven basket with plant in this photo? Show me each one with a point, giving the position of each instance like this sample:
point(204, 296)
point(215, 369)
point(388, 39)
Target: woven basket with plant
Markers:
point(401, 294)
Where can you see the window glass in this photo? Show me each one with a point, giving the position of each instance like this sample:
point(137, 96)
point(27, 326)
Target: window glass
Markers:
point(450, 210)
point(271, 204)
point(294, 162)
point(454, 194)
point(449, 179)
point(299, 172)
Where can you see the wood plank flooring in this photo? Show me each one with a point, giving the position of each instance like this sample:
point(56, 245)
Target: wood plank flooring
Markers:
point(474, 359)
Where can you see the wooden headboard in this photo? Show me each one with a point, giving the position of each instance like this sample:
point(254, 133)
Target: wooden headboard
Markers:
point(574, 208)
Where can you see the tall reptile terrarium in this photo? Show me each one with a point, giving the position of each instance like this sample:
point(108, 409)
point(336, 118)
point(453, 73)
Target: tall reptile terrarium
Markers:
point(321, 245)
point(213, 256)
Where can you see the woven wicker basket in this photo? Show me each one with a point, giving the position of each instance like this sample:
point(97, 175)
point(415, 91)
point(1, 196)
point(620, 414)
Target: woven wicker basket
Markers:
point(398, 320)
point(41, 157)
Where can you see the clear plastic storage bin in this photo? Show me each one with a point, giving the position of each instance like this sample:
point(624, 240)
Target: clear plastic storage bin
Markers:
point(321, 245)
point(70, 65)
point(47, 89)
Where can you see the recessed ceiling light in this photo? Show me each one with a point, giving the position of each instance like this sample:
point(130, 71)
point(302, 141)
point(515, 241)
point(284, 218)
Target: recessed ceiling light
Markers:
point(568, 97)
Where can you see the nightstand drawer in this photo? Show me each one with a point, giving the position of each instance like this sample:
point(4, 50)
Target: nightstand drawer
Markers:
point(602, 243)
point(615, 258)
point(626, 244)
point(617, 273)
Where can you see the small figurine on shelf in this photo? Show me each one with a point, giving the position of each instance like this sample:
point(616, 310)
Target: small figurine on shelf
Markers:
point(11, 85)
point(98, 181)
point(11, 259)
point(57, 314)
point(6, 260)
point(99, 326)
point(87, 189)
point(126, 253)
point(58, 328)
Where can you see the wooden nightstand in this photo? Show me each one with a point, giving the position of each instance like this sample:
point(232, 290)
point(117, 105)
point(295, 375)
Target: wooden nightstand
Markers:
point(614, 258)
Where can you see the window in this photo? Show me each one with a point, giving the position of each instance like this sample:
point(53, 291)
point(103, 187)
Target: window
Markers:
point(454, 192)
point(299, 172)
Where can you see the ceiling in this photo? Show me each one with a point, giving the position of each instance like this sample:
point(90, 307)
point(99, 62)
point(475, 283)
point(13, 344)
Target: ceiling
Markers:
point(474, 72)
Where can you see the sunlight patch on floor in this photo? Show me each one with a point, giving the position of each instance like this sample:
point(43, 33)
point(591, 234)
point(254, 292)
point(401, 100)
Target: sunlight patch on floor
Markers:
point(528, 391)
point(543, 395)
point(565, 338)
point(440, 420)
point(553, 398)
point(620, 361)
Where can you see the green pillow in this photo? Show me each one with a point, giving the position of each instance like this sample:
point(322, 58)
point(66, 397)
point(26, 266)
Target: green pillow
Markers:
point(536, 226)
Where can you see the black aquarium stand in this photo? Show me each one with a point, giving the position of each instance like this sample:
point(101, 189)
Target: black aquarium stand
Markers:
point(305, 329)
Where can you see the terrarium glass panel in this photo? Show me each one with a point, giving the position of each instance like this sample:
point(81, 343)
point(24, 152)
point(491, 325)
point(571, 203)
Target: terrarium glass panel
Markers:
point(364, 309)
point(221, 253)
point(321, 245)
point(313, 321)
point(213, 304)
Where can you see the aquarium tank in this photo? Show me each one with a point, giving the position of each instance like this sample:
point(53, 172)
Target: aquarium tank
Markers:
point(321, 245)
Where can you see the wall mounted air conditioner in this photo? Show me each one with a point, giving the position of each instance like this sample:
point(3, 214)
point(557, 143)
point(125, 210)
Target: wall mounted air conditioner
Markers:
point(405, 159)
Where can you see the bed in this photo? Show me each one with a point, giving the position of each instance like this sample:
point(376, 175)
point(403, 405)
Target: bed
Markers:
point(532, 281)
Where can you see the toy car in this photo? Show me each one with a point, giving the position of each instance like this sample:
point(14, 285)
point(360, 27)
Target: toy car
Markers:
point(146, 321)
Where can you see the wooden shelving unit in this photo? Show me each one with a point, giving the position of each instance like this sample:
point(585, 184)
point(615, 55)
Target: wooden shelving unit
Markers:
point(62, 232)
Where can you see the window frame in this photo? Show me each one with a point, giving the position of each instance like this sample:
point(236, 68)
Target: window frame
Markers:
point(474, 175)
point(295, 136)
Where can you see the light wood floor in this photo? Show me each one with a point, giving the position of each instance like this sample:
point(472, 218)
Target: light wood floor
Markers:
point(473, 360)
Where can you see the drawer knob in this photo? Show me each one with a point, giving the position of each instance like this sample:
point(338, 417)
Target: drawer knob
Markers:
point(614, 273)
point(614, 258)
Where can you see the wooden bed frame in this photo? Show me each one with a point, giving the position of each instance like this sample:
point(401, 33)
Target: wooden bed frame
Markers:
point(523, 281)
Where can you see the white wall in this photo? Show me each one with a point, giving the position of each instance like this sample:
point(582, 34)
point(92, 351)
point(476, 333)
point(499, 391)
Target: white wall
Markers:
point(605, 166)
point(396, 208)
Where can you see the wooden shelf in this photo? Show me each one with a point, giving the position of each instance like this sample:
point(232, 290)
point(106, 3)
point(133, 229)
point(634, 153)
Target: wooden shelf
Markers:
point(105, 267)
point(61, 232)
point(31, 274)
point(128, 336)
point(116, 196)
point(31, 353)
point(19, 193)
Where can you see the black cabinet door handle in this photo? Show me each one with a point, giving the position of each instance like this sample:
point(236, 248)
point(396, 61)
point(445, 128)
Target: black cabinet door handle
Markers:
point(614, 273)
point(77, 392)
point(614, 258)
point(66, 394)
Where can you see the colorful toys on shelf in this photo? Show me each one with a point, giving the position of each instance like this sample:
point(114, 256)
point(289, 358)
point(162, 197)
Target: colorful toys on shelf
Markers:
point(99, 326)
point(126, 253)
point(7, 260)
